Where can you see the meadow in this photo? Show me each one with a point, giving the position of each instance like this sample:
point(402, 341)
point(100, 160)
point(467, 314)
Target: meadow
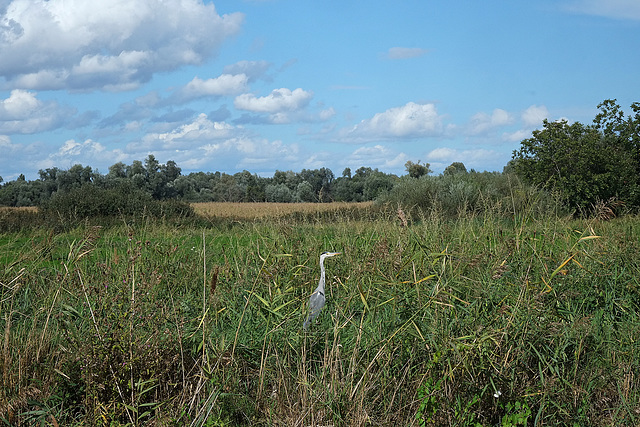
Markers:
point(472, 321)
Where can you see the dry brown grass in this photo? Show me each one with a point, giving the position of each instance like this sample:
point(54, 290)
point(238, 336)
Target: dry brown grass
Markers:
point(269, 210)
point(20, 209)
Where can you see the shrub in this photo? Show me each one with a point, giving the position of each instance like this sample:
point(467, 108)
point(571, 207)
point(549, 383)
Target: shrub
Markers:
point(124, 201)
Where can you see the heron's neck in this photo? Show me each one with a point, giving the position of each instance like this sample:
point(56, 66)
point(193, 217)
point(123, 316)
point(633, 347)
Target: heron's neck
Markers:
point(321, 282)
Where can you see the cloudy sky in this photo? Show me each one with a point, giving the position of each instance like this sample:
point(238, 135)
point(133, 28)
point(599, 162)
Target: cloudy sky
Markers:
point(267, 85)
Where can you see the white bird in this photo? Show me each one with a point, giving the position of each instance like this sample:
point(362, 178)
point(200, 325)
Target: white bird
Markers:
point(317, 298)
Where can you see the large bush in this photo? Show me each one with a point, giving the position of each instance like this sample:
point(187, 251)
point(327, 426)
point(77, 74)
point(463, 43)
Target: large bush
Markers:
point(123, 201)
point(587, 164)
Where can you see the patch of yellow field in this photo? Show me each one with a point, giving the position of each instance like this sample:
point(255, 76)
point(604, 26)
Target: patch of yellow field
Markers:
point(266, 210)
point(23, 208)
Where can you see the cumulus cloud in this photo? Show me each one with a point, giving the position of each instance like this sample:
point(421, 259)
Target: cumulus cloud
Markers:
point(88, 152)
point(110, 44)
point(534, 115)
point(20, 158)
point(24, 113)
point(481, 123)
point(7, 145)
point(405, 52)
point(442, 157)
point(251, 153)
point(254, 70)
point(186, 136)
point(377, 156)
point(409, 121)
point(531, 119)
point(223, 85)
point(278, 101)
point(517, 136)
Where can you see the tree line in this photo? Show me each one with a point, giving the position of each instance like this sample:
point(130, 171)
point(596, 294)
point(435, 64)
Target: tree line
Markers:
point(582, 165)
point(166, 181)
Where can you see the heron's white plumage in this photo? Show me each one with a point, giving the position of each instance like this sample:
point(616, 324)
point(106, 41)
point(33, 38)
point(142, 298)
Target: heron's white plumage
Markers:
point(317, 298)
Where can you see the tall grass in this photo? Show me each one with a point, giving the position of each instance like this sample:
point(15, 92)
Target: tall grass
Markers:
point(474, 321)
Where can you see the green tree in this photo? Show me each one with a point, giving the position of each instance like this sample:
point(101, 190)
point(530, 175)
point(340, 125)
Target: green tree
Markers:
point(278, 193)
point(455, 168)
point(416, 170)
point(117, 170)
point(304, 192)
point(585, 164)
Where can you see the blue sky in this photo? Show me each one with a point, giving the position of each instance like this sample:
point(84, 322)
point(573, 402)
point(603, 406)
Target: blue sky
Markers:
point(292, 84)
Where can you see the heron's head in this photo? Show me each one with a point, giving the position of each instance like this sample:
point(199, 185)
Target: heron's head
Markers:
point(328, 254)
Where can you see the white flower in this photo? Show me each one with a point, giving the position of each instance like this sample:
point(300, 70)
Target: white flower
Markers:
point(497, 394)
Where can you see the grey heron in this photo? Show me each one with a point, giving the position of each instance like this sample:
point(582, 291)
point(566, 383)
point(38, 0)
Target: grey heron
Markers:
point(317, 298)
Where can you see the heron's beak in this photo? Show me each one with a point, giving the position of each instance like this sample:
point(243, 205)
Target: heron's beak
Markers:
point(333, 253)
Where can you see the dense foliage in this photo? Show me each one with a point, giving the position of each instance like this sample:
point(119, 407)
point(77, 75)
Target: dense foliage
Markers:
point(97, 204)
point(165, 181)
point(458, 193)
point(587, 164)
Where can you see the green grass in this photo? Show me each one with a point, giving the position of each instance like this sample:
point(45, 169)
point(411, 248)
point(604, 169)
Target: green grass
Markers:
point(424, 325)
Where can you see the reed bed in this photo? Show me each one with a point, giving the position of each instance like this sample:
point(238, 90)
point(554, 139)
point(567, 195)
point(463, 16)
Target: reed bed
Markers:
point(474, 321)
point(270, 210)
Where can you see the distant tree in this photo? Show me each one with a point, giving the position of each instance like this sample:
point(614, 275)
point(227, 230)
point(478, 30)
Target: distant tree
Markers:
point(376, 184)
point(252, 186)
point(454, 168)
point(75, 177)
point(416, 170)
point(304, 192)
point(151, 165)
point(170, 170)
point(278, 193)
point(226, 189)
point(342, 190)
point(117, 170)
point(136, 168)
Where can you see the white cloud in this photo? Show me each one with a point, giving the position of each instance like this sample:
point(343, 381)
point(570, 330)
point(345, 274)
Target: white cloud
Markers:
point(531, 119)
point(618, 9)
point(279, 100)
point(441, 157)
point(20, 158)
point(88, 152)
point(73, 148)
point(110, 44)
point(516, 136)
point(241, 152)
point(481, 123)
point(409, 121)
point(6, 145)
point(377, 156)
point(223, 85)
point(254, 70)
point(534, 115)
point(24, 113)
point(327, 114)
point(190, 135)
point(405, 52)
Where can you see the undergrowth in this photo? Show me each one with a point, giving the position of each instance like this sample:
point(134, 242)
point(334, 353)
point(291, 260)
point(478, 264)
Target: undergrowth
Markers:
point(473, 321)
